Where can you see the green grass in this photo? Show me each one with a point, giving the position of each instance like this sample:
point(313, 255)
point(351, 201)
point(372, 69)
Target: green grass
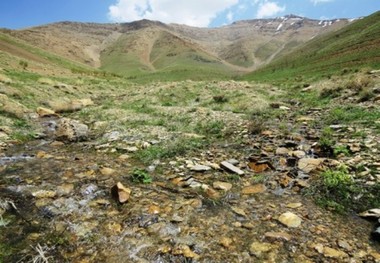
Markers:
point(353, 47)
point(171, 149)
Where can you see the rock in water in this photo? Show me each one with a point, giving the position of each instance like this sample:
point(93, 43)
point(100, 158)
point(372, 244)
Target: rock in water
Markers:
point(71, 130)
point(121, 193)
point(290, 220)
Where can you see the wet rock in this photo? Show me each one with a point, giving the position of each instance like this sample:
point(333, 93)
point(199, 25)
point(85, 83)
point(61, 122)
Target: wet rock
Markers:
point(210, 193)
point(334, 253)
point(222, 186)
point(238, 211)
point(107, 171)
point(259, 166)
point(282, 151)
point(290, 220)
point(298, 154)
point(254, 189)
point(120, 193)
point(44, 194)
point(233, 161)
point(226, 242)
point(65, 189)
point(89, 190)
point(112, 136)
point(309, 164)
point(185, 251)
point(344, 244)
point(231, 168)
point(71, 130)
point(294, 205)
point(44, 112)
point(154, 209)
point(278, 236)
point(200, 168)
point(260, 248)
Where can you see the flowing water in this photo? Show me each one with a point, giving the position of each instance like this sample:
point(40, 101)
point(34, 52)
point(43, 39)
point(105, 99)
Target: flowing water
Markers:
point(63, 212)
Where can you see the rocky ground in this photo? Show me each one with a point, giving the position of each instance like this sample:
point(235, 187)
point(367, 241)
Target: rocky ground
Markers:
point(179, 173)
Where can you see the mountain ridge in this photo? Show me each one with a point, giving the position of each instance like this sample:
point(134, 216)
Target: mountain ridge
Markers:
point(129, 48)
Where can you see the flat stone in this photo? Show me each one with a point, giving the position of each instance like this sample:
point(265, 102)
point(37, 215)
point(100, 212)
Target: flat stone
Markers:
point(44, 194)
point(259, 248)
point(233, 161)
point(344, 244)
point(309, 164)
point(333, 253)
point(231, 168)
point(282, 151)
point(222, 186)
point(294, 205)
point(290, 220)
point(298, 154)
point(200, 168)
point(238, 211)
point(254, 189)
point(278, 236)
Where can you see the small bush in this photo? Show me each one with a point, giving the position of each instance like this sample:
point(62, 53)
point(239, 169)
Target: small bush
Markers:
point(141, 176)
point(336, 178)
point(23, 64)
point(365, 95)
point(341, 150)
point(220, 99)
point(359, 83)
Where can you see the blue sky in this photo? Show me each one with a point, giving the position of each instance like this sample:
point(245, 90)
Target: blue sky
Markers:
point(16, 14)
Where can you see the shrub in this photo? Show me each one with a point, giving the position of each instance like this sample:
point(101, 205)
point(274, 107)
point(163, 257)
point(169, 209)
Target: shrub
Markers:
point(220, 99)
point(141, 176)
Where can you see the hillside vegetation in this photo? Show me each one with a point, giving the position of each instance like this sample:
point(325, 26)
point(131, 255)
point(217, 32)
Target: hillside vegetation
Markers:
point(348, 49)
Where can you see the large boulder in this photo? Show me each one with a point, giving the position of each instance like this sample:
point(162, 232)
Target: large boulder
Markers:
point(71, 130)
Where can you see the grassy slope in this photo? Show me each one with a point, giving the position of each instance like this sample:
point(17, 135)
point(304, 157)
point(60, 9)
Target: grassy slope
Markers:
point(353, 47)
point(25, 51)
point(170, 59)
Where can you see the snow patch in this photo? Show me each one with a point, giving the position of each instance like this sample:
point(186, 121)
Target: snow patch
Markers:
point(279, 27)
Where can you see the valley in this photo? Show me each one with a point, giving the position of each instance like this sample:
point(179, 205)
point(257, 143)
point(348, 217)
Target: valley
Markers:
point(151, 142)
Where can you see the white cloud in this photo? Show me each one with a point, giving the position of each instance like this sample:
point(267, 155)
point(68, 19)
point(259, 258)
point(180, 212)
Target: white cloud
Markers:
point(194, 13)
point(315, 2)
point(269, 9)
point(230, 16)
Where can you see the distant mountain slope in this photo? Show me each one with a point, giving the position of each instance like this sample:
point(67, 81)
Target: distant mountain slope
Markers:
point(149, 47)
point(352, 47)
